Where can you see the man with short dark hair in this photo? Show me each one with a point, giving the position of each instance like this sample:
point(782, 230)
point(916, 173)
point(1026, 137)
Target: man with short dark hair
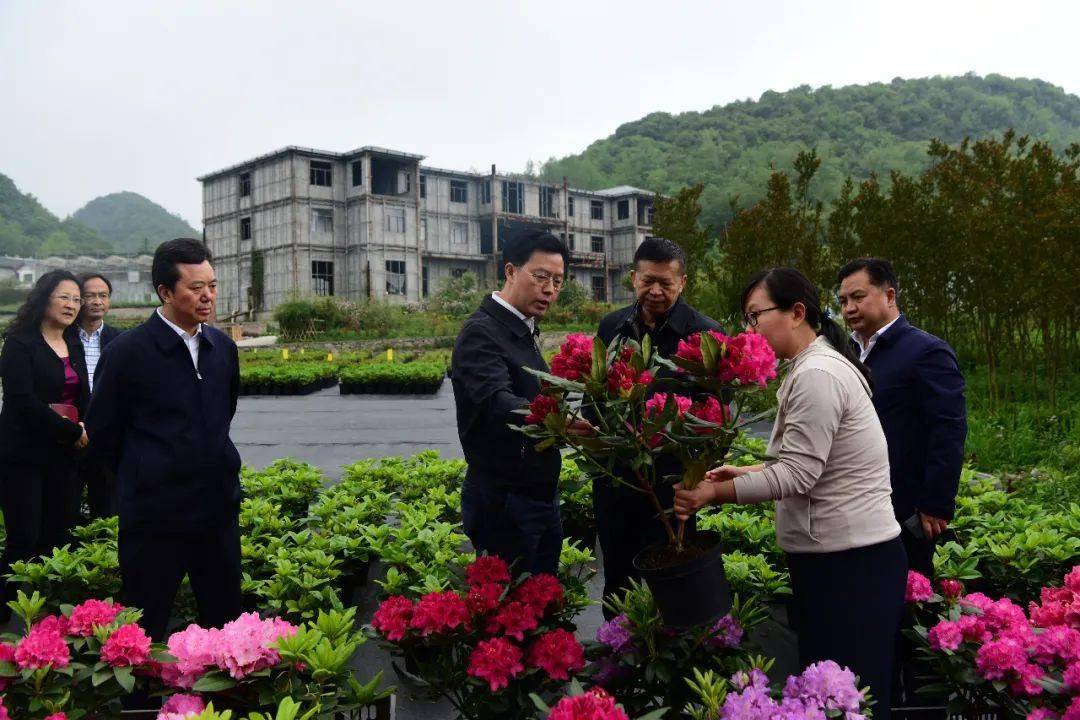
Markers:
point(95, 335)
point(919, 397)
point(164, 398)
point(626, 522)
point(509, 504)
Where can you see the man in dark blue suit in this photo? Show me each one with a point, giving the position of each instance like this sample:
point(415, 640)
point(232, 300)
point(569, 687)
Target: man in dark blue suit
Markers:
point(163, 400)
point(919, 397)
point(95, 335)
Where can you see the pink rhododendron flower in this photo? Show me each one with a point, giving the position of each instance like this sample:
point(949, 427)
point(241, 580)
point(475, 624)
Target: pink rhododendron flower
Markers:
point(541, 406)
point(57, 623)
point(945, 635)
point(540, 592)
point(709, 410)
point(656, 404)
point(749, 359)
point(973, 629)
point(497, 661)
point(918, 588)
point(558, 653)
point(574, 359)
point(3, 711)
point(1058, 643)
point(57, 716)
point(1071, 678)
point(43, 646)
point(181, 705)
point(1072, 579)
point(245, 645)
point(1073, 711)
point(127, 646)
point(393, 616)
point(1027, 680)
point(951, 589)
point(1042, 714)
point(592, 705)
point(487, 569)
point(194, 649)
point(690, 348)
point(91, 613)
point(440, 612)
point(977, 601)
point(1004, 614)
point(997, 658)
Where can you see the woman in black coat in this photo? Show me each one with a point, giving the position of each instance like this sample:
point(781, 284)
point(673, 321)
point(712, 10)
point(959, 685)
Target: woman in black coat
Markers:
point(41, 364)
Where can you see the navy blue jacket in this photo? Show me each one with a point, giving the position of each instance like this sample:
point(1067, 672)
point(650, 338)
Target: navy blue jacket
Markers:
point(163, 427)
point(487, 371)
point(919, 397)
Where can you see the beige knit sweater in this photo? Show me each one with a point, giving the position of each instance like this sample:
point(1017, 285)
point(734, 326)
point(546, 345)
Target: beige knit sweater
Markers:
point(830, 477)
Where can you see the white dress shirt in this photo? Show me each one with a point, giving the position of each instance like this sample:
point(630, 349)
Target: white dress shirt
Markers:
point(192, 341)
point(864, 350)
point(531, 322)
point(91, 343)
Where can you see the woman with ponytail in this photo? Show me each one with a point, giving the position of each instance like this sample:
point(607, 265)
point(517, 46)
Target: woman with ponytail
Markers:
point(830, 482)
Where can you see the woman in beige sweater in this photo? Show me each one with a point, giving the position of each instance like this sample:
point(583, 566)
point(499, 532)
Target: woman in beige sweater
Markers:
point(830, 481)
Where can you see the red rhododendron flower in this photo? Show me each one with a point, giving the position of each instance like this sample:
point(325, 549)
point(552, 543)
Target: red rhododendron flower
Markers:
point(540, 592)
point(487, 569)
point(709, 410)
point(128, 645)
point(656, 404)
point(951, 589)
point(482, 599)
point(393, 616)
point(622, 378)
point(918, 588)
point(497, 661)
point(541, 406)
point(440, 612)
point(42, 646)
point(514, 619)
point(7, 652)
point(574, 359)
point(558, 653)
point(90, 613)
point(592, 705)
point(690, 348)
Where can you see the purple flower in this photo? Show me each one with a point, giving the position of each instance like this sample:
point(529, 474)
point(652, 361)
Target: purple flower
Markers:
point(752, 703)
point(726, 633)
point(615, 634)
point(826, 685)
point(755, 678)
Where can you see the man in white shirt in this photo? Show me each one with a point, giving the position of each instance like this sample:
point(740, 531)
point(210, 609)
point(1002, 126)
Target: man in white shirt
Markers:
point(95, 335)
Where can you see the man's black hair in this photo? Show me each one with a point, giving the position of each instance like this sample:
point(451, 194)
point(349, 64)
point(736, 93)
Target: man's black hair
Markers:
point(880, 271)
point(169, 254)
point(660, 250)
point(518, 250)
point(86, 277)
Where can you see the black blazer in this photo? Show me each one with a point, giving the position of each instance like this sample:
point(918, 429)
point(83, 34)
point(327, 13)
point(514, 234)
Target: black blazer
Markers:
point(489, 381)
point(919, 397)
point(33, 377)
point(163, 427)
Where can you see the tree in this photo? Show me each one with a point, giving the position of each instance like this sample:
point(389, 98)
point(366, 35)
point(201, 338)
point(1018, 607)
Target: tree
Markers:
point(57, 243)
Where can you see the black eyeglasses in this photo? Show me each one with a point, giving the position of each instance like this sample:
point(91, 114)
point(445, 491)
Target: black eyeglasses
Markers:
point(750, 319)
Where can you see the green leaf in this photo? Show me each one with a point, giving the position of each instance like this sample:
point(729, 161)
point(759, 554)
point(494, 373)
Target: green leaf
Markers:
point(125, 678)
point(214, 682)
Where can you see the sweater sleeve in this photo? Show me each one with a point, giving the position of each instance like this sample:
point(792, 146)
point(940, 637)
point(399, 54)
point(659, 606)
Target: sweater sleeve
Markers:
point(479, 368)
point(812, 414)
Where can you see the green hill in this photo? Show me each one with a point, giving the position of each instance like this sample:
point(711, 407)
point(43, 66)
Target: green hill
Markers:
point(28, 229)
point(132, 222)
point(857, 130)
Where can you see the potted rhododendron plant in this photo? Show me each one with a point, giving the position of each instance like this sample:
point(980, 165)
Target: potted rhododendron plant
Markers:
point(699, 423)
point(487, 643)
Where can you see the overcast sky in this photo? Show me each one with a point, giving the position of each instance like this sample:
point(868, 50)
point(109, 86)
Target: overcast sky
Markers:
point(104, 96)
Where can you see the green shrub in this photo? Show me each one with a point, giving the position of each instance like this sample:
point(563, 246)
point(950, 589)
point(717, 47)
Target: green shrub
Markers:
point(393, 378)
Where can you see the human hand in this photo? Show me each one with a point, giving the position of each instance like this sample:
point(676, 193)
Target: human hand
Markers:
point(688, 502)
point(83, 440)
point(580, 428)
point(932, 526)
point(725, 472)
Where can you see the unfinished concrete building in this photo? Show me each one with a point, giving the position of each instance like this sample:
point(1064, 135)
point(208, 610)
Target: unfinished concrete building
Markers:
point(375, 223)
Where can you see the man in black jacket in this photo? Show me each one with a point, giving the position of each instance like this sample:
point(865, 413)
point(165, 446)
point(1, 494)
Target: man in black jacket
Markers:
point(509, 504)
point(626, 522)
point(95, 335)
point(159, 417)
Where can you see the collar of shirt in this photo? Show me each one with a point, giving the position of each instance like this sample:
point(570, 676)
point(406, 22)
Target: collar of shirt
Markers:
point(529, 322)
point(179, 330)
point(87, 337)
point(864, 350)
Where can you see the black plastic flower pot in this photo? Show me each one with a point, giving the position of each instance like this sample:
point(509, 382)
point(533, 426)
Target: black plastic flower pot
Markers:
point(691, 588)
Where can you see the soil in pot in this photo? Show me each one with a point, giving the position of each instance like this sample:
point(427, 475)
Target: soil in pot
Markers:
point(689, 587)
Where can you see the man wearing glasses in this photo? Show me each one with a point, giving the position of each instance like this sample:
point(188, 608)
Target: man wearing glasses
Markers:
point(509, 504)
point(95, 335)
point(625, 520)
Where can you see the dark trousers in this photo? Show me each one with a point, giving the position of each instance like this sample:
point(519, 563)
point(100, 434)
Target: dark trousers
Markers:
point(524, 531)
point(847, 607)
point(626, 524)
point(153, 564)
point(100, 487)
point(40, 501)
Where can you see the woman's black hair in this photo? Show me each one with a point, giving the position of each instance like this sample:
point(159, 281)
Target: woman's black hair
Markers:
point(787, 286)
point(28, 317)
